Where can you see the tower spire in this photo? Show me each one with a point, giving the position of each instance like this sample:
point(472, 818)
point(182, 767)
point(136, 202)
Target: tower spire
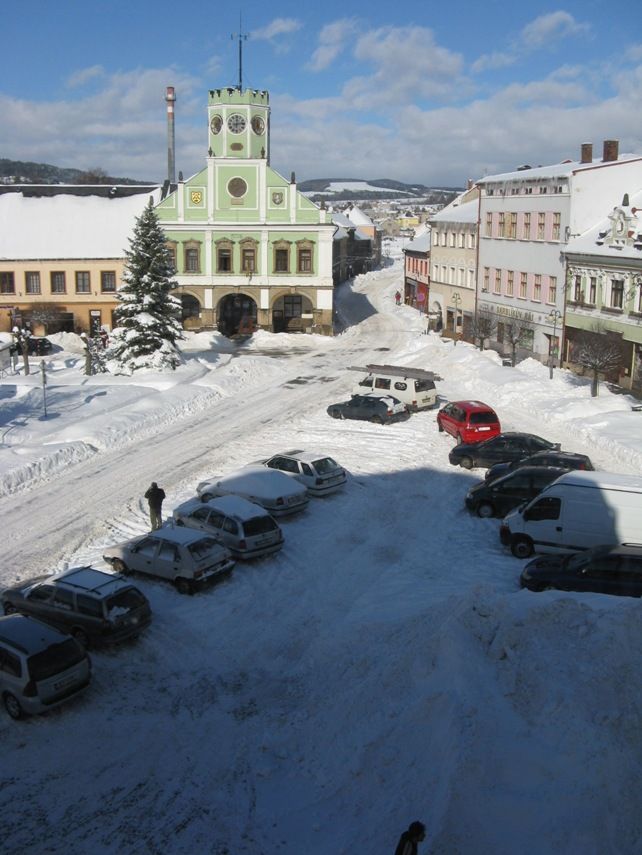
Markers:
point(241, 36)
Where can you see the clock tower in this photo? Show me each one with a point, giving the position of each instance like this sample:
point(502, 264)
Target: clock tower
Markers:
point(239, 124)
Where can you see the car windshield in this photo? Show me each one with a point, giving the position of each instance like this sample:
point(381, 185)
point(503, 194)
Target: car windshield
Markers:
point(124, 601)
point(259, 525)
point(483, 418)
point(326, 464)
point(202, 548)
point(56, 658)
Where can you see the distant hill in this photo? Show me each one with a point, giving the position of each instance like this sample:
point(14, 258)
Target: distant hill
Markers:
point(345, 189)
point(26, 172)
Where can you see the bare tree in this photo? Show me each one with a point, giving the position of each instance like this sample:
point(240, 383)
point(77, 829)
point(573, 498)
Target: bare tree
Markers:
point(514, 333)
point(600, 352)
point(483, 327)
point(45, 314)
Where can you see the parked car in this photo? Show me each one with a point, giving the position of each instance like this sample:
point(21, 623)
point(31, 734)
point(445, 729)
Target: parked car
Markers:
point(187, 558)
point(245, 528)
point(274, 491)
point(603, 569)
point(505, 447)
point(414, 387)
point(566, 460)
point(40, 668)
point(370, 408)
point(38, 345)
point(468, 421)
point(319, 474)
point(497, 498)
point(89, 604)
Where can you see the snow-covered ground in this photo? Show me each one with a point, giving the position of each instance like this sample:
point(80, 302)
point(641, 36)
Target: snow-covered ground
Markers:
point(383, 667)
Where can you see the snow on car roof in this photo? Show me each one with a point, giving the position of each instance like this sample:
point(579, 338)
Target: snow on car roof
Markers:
point(261, 482)
point(178, 535)
point(237, 506)
point(308, 456)
point(90, 579)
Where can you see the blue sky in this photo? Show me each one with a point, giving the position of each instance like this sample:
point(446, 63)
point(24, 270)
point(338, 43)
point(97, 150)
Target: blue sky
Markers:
point(416, 91)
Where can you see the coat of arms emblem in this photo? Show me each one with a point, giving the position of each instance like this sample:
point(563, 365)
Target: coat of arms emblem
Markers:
point(196, 197)
point(277, 197)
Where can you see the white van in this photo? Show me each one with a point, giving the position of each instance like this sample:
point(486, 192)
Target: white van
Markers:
point(414, 387)
point(577, 511)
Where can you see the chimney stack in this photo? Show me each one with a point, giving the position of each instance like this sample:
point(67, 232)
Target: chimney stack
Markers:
point(170, 98)
point(587, 152)
point(611, 151)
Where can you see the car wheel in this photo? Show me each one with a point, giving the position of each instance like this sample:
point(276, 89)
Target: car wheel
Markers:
point(376, 420)
point(183, 586)
point(485, 510)
point(12, 706)
point(521, 547)
point(466, 462)
point(120, 566)
point(10, 609)
point(81, 636)
point(459, 439)
point(440, 427)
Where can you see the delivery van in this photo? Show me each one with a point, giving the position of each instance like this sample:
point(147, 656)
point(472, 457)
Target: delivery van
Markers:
point(414, 387)
point(577, 511)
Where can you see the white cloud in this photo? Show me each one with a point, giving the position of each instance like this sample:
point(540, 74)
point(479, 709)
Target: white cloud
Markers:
point(332, 39)
point(275, 32)
point(84, 75)
point(493, 60)
point(552, 27)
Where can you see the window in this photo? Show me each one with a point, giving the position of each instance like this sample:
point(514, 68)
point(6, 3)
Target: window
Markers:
point(498, 282)
point(192, 260)
point(528, 190)
point(577, 290)
point(32, 283)
point(526, 228)
point(304, 260)
point(58, 285)
point(451, 275)
point(282, 257)
point(442, 237)
point(537, 287)
point(462, 277)
point(541, 226)
point(63, 599)
point(592, 290)
point(471, 240)
point(10, 663)
point(171, 249)
point(557, 217)
point(248, 260)
point(512, 226)
point(543, 190)
point(168, 552)
point(382, 383)
point(617, 293)
point(502, 224)
point(552, 289)
point(544, 509)
point(83, 284)
point(224, 259)
point(489, 224)
point(639, 308)
point(107, 281)
point(523, 285)
point(89, 606)
point(452, 238)
point(486, 279)
point(510, 283)
point(7, 283)
point(462, 239)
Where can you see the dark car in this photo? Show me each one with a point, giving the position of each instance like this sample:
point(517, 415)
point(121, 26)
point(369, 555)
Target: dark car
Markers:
point(566, 460)
point(89, 604)
point(497, 498)
point(603, 569)
point(505, 447)
point(38, 345)
point(369, 408)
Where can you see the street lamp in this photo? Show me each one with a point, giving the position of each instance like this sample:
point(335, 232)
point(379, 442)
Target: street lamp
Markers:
point(456, 298)
point(555, 315)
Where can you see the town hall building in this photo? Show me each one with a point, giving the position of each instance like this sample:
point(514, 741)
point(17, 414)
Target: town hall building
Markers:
point(250, 250)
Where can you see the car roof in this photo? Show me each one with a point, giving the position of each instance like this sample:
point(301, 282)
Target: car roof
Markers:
point(299, 454)
point(535, 470)
point(568, 455)
point(233, 506)
point(90, 580)
point(261, 481)
point(472, 405)
point(178, 535)
point(632, 549)
point(28, 635)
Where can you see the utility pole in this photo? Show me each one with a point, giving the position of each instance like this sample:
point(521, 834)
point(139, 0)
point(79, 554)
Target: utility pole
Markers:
point(44, 385)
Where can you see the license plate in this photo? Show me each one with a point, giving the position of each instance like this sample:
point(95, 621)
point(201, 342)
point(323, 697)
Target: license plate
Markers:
point(63, 684)
point(293, 500)
point(486, 428)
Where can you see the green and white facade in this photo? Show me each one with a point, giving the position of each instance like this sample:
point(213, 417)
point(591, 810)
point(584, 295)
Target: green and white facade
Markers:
point(250, 249)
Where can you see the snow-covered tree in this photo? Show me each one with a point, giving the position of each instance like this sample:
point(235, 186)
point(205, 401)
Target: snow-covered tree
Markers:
point(148, 316)
point(21, 342)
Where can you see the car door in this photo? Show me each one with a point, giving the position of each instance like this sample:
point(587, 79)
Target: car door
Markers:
point(167, 562)
point(631, 574)
point(493, 451)
point(38, 602)
point(142, 556)
point(511, 493)
point(601, 575)
point(62, 609)
point(543, 522)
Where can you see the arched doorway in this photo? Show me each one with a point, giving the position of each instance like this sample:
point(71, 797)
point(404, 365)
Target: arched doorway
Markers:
point(190, 311)
point(288, 312)
point(237, 315)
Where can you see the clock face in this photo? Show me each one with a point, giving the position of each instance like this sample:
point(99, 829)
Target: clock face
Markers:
point(216, 124)
point(236, 123)
point(258, 125)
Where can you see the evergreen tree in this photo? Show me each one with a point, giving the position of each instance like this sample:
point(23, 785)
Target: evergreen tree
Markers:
point(148, 316)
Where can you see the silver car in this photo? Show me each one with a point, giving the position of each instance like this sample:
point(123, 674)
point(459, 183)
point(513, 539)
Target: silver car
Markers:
point(245, 528)
point(274, 491)
point(320, 474)
point(187, 558)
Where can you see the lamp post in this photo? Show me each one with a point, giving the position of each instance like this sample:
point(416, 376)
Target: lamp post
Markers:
point(456, 298)
point(555, 315)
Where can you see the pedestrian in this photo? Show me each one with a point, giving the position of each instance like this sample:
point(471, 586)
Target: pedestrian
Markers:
point(155, 496)
point(398, 298)
point(414, 834)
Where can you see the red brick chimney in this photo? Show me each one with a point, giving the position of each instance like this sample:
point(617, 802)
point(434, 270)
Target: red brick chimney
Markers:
point(587, 152)
point(611, 151)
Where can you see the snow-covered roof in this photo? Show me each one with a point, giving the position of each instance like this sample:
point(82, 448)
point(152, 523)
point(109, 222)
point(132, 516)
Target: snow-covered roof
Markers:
point(357, 216)
point(557, 170)
point(69, 226)
point(464, 213)
point(420, 244)
point(601, 240)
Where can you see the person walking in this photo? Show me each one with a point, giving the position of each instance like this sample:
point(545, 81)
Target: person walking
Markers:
point(155, 496)
point(398, 298)
point(414, 834)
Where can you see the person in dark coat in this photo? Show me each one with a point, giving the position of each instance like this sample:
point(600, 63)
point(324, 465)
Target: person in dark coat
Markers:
point(415, 833)
point(155, 496)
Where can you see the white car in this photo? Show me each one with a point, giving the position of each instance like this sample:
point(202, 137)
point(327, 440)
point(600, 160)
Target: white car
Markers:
point(187, 558)
point(245, 528)
point(319, 473)
point(273, 490)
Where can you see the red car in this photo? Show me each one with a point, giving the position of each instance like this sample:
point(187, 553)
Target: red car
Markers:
point(468, 421)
